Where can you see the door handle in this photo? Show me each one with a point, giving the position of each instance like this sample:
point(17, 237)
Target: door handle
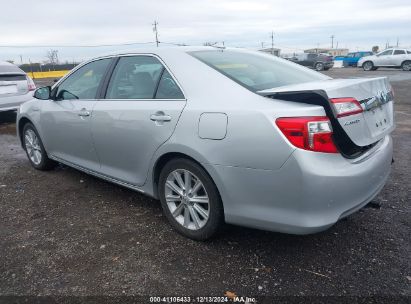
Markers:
point(160, 116)
point(83, 113)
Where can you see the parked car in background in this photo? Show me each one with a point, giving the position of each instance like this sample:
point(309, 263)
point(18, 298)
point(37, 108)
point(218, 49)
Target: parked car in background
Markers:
point(352, 58)
point(318, 62)
point(389, 58)
point(15, 87)
point(252, 139)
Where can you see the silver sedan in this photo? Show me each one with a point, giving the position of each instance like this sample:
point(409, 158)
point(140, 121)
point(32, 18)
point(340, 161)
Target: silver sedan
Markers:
point(219, 136)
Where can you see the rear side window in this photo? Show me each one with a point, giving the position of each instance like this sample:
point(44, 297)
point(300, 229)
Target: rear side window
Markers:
point(142, 77)
point(256, 71)
point(399, 52)
point(167, 88)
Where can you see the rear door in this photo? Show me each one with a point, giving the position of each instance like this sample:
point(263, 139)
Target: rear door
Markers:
point(311, 60)
point(398, 57)
point(142, 105)
point(65, 120)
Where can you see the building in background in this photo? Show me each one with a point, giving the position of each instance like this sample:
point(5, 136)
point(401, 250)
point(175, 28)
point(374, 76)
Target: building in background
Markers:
point(273, 51)
point(333, 52)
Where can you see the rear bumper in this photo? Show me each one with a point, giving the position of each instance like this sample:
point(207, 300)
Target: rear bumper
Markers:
point(310, 192)
point(14, 102)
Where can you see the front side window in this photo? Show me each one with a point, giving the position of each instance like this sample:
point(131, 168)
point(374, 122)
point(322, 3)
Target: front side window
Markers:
point(256, 71)
point(385, 53)
point(135, 77)
point(399, 52)
point(84, 82)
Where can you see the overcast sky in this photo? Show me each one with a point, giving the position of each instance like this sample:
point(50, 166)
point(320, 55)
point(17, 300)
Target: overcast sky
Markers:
point(297, 24)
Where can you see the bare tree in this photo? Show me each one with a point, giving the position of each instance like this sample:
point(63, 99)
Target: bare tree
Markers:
point(53, 57)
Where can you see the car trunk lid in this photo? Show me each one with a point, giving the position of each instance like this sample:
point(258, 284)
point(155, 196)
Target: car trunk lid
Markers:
point(374, 95)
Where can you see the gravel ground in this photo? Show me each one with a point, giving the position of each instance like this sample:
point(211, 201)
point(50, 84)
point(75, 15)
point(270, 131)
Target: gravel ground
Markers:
point(67, 233)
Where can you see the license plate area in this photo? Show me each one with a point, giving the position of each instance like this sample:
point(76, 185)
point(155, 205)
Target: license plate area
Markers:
point(8, 89)
point(378, 120)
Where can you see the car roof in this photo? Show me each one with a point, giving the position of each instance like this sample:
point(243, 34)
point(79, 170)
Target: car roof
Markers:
point(164, 49)
point(7, 67)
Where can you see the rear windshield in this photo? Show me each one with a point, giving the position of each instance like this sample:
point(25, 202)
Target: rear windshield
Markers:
point(9, 68)
point(257, 71)
point(9, 77)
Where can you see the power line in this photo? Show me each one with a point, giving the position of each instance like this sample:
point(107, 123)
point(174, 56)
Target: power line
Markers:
point(75, 46)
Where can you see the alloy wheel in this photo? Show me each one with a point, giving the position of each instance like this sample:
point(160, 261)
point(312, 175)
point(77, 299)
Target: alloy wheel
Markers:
point(32, 144)
point(319, 66)
point(406, 66)
point(187, 199)
point(368, 66)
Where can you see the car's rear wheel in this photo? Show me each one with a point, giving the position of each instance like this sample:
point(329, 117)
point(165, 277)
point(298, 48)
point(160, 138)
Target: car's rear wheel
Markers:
point(406, 65)
point(319, 66)
point(34, 149)
point(190, 199)
point(368, 66)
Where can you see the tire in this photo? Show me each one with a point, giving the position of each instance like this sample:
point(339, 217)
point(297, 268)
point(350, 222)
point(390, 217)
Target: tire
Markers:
point(319, 66)
point(406, 65)
point(35, 150)
point(188, 219)
point(368, 66)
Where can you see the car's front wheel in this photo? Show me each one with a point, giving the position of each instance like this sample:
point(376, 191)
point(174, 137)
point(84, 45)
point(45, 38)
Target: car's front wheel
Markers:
point(34, 149)
point(406, 65)
point(368, 66)
point(190, 199)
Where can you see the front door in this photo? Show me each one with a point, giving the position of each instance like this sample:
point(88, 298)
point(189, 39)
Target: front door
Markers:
point(384, 58)
point(66, 118)
point(140, 111)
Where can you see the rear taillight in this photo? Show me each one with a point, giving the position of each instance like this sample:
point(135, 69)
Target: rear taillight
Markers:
point(30, 84)
point(346, 106)
point(308, 133)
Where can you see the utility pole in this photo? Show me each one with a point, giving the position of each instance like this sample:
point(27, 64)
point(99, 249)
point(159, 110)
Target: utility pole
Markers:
point(332, 41)
point(398, 41)
point(155, 31)
point(272, 42)
point(21, 59)
point(262, 45)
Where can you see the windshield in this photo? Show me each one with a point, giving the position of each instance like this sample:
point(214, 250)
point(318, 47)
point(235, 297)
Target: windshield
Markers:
point(257, 71)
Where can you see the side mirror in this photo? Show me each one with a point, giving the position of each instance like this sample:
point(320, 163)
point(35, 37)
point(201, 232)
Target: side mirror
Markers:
point(43, 93)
